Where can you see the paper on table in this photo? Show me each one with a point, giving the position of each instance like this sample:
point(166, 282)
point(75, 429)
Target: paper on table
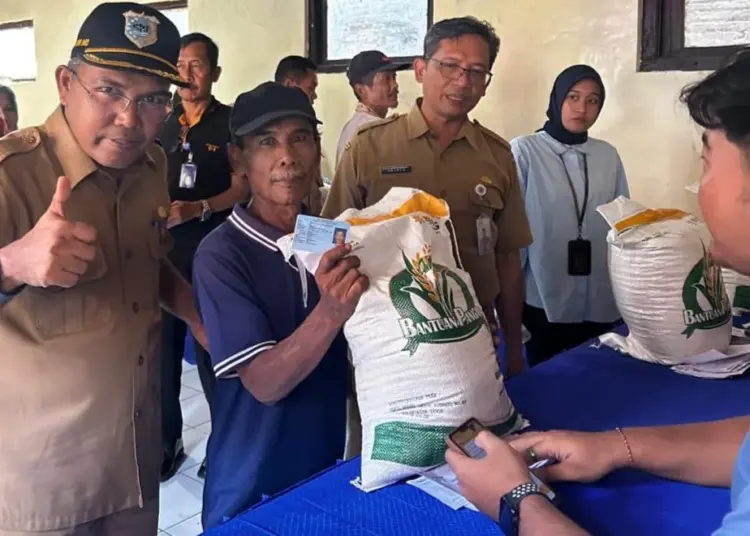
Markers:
point(740, 336)
point(448, 497)
point(726, 368)
point(712, 364)
point(442, 484)
point(713, 356)
point(719, 365)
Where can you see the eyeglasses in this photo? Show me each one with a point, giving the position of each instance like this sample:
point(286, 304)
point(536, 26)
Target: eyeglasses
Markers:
point(112, 99)
point(453, 71)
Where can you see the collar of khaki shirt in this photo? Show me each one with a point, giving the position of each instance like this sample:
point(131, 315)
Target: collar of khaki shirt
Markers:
point(417, 126)
point(76, 164)
point(363, 108)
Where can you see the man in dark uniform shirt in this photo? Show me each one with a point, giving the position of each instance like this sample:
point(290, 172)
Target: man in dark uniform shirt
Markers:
point(195, 139)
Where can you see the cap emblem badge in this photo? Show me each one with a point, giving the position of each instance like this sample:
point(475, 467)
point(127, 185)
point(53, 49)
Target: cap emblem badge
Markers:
point(140, 29)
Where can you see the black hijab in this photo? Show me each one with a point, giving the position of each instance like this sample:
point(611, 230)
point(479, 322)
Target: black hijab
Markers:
point(564, 81)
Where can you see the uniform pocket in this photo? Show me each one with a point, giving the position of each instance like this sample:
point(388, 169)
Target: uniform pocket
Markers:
point(60, 312)
point(487, 199)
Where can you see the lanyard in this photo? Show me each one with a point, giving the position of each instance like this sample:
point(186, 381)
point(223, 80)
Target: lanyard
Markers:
point(580, 212)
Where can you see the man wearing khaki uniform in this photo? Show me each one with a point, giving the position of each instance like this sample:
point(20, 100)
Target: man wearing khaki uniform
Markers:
point(83, 209)
point(437, 149)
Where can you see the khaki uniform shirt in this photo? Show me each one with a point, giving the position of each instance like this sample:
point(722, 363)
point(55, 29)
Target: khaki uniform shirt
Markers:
point(362, 116)
point(475, 174)
point(79, 387)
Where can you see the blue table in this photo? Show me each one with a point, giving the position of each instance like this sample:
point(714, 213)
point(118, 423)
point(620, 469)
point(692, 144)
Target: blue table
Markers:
point(585, 389)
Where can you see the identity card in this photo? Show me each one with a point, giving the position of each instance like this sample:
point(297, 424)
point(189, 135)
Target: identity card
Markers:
point(318, 235)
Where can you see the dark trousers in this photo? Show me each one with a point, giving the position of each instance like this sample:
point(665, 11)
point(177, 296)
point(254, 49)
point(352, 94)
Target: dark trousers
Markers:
point(174, 331)
point(549, 339)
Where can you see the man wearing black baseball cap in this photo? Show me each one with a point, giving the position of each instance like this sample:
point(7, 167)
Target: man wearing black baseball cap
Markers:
point(278, 413)
point(82, 277)
point(372, 76)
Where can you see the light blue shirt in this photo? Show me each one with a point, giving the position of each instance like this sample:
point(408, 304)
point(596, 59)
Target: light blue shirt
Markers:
point(737, 521)
point(552, 216)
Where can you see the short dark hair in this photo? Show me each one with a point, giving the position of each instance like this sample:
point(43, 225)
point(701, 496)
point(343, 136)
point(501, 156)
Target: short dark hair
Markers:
point(366, 81)
point(212, 48)
point(293, 68)
point(458, 27)
point(721, 101)
point(5, 90)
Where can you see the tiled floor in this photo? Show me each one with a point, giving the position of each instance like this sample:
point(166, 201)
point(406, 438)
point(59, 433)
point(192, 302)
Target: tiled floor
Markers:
point(181, 498)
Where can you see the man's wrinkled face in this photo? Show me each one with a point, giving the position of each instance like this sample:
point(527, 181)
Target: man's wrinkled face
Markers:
point(195, 68)
point(281, 160)
point(382, 93)
point(114, 115)
point(724, 199)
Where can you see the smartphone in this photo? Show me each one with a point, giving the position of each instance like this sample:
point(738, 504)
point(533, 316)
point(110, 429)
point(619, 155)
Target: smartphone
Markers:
point(463, 438)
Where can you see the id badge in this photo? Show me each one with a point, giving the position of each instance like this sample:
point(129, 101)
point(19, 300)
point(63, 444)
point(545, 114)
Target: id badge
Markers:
point(579, 257)
point(188, 173)
point(484, 235)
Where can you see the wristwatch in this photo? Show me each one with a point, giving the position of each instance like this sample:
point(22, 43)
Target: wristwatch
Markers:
point(510, 506)
point(206, 214)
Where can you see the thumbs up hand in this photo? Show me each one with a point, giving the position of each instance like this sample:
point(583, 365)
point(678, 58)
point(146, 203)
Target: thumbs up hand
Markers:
point(55, 252)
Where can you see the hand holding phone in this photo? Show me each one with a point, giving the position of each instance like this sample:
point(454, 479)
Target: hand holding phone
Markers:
point(463, 439)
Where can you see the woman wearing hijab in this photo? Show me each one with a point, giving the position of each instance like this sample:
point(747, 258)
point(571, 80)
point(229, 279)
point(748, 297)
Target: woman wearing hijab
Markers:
point(565, 175)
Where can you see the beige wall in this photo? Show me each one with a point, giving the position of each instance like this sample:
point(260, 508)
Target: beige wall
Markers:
point(642, 116)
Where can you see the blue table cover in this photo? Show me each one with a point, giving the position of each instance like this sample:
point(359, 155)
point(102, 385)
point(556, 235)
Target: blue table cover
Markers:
point(584, 389)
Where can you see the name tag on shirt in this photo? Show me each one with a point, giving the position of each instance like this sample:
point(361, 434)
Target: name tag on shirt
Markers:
point(318, 235)
point(395, 170)
point(484, 235)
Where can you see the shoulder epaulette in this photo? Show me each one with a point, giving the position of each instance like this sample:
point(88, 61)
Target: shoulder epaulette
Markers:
point(493, 135)
point(18, 142)
point(378, 123)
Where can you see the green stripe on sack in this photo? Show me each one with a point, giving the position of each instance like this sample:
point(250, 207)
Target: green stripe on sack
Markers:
point(742, 298)
point(419, 445)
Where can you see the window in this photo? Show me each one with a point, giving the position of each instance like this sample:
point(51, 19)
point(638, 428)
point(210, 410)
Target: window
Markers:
point(19, 66)
point(177, 12)
point(340, 29)
point(692, 35)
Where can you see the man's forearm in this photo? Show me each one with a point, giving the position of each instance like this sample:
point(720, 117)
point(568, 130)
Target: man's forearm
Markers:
point(702, 453)
point(510, 300)
point(539, 516)
point(176, 294)
point(276, 372)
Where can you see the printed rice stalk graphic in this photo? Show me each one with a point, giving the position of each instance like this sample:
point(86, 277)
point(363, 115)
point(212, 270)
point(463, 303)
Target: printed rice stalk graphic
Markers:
point(433, 288)
point(712, 287)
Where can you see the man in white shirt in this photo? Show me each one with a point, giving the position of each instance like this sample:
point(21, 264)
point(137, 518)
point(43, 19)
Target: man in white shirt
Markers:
point(372, 76)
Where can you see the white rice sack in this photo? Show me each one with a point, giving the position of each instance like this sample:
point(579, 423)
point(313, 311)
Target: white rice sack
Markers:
point(668, 289)
point(422, 351)
point(738, 290)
